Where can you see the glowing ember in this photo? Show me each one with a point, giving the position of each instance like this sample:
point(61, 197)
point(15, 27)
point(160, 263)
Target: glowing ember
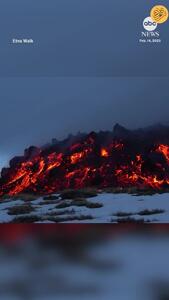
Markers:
point(76, 157)
point(165, 150)
point(104, 153)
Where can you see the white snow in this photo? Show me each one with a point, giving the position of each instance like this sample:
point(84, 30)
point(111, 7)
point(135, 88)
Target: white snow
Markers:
point(111, 205)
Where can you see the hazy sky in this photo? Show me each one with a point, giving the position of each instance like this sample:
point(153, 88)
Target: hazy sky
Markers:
point(33, 110)
point(85, 71)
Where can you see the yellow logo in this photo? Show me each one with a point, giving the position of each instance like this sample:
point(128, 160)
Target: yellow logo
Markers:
point(159, 14)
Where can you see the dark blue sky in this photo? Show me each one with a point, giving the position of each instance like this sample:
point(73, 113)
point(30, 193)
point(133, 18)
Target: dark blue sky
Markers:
point(85, 71)
point(80, 38)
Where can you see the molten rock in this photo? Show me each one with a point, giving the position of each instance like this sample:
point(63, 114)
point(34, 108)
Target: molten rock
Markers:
point(121, 158)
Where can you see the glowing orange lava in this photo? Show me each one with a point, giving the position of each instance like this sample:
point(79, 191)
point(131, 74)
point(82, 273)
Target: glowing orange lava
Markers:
point(104, 153)
point(82, 164)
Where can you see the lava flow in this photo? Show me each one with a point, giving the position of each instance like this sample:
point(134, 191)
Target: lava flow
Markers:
point(104, 159)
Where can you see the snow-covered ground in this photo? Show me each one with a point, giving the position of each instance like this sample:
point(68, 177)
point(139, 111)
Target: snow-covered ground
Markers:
point(103, 208)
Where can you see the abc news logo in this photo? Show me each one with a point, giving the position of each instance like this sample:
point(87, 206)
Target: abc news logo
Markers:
point(149, 24)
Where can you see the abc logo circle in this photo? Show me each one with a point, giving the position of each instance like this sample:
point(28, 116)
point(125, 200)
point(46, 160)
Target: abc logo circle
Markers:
point(149, 24)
